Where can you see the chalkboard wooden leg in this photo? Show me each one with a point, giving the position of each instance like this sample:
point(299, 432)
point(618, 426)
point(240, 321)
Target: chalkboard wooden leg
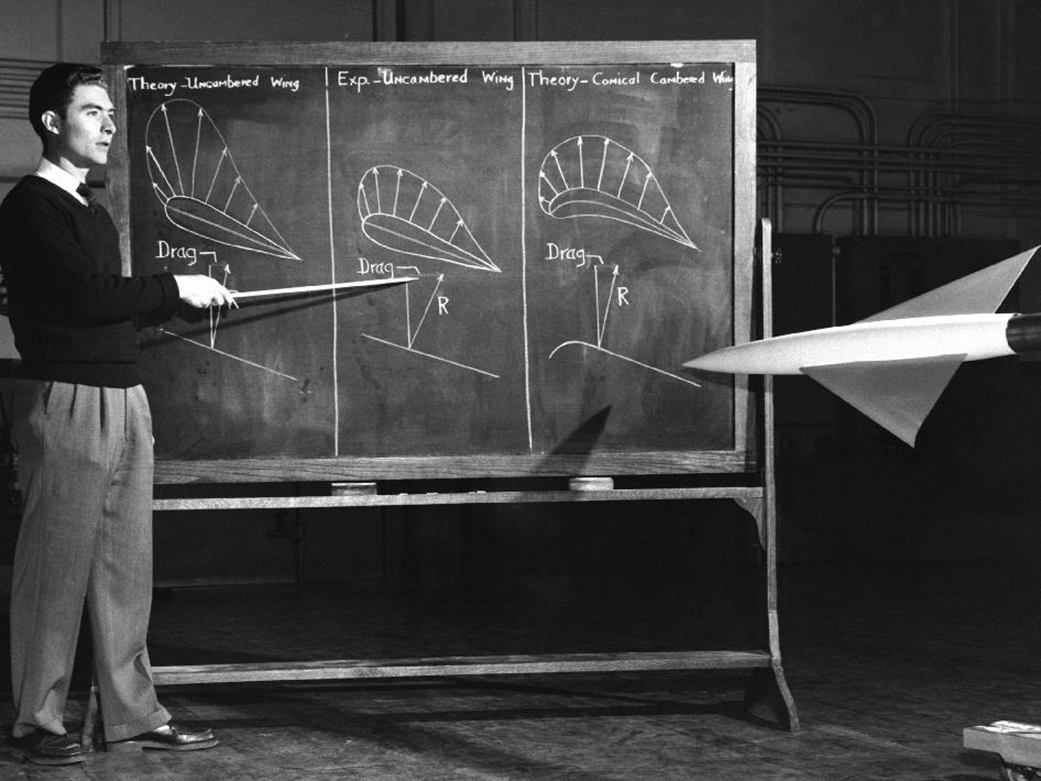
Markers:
point(768, 697)
point(754, 507)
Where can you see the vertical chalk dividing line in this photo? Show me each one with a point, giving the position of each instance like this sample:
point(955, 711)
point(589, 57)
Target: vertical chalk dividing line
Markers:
point(524, 251)
point(332, 271)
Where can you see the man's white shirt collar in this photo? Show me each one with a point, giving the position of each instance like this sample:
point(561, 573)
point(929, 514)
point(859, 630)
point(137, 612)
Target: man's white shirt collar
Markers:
point(57, 175)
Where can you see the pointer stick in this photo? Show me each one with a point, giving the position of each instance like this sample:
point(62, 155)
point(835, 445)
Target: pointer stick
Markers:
point(289, 291)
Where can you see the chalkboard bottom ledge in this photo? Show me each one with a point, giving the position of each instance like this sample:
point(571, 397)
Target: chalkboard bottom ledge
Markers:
point(458, 665)
point(743, 493)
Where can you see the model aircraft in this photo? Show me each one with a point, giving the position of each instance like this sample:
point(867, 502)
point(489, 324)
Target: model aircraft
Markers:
point(894, 365)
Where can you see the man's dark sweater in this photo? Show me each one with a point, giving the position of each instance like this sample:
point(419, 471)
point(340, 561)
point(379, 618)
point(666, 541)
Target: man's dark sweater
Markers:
point(71, 310)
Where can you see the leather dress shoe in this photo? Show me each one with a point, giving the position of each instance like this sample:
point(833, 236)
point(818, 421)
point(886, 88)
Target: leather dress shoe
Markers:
point(168, 737)
point(46, 748)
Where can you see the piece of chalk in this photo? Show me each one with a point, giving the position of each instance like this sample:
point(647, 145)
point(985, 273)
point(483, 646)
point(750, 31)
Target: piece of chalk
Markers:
point(591, 483)
point(353, 489)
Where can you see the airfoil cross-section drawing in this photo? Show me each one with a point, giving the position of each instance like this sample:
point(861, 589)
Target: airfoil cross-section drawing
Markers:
point(403, 212)
point(593, 176)
point(195, 178)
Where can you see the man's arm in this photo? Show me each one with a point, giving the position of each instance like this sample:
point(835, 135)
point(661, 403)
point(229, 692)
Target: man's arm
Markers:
point(63, 277)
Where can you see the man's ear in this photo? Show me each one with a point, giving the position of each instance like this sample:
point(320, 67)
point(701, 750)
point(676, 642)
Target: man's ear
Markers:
point(51, 122)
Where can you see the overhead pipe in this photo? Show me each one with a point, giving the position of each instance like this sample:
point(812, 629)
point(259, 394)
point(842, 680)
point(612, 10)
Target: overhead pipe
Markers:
point(773, 190)
point(973, 154)
point(934, 130)
point(857, 107)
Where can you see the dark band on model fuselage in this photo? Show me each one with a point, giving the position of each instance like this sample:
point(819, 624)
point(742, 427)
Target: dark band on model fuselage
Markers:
point(1023, 333)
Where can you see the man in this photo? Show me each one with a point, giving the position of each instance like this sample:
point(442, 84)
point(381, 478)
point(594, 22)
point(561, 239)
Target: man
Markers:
point(82, 429)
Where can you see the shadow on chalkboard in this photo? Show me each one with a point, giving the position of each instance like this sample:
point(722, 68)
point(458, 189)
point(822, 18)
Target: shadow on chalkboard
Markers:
point(584, 438)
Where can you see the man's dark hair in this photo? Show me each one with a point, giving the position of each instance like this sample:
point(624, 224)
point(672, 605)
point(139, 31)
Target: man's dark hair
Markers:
point(52, 91)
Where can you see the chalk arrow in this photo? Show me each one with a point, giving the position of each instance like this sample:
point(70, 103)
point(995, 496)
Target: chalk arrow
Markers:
point(894, 365)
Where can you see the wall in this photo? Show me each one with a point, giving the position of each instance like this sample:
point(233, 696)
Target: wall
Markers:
point(848, 93)
point(44, 31)
point(853, 81)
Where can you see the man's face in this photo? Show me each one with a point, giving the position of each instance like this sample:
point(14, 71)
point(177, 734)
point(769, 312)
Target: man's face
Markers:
point(84, 134)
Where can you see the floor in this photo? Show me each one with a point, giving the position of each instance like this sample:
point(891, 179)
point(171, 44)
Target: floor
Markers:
point(887, 666)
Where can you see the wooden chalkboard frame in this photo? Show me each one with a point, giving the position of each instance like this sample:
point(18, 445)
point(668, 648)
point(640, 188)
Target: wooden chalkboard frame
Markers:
point(767, 694)
point(740, 55)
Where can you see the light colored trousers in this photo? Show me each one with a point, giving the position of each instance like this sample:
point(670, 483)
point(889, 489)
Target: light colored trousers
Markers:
point(85, 471)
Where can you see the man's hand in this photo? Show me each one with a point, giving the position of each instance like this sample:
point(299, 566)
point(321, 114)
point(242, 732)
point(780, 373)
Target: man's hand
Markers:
point(201, 291)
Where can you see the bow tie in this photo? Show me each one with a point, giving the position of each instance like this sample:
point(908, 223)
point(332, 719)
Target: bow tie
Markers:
point(84, 191)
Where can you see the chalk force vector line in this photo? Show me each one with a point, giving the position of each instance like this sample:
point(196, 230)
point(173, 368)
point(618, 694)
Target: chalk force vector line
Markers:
point(601, 331)
point(263, 368)
point(413, 333)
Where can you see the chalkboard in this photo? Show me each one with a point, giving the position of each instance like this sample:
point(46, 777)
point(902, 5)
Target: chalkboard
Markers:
point(577, 219)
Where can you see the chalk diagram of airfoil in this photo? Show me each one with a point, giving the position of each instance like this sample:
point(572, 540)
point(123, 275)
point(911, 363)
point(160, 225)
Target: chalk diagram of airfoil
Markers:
point(202, 191)
point(593, 176)
point(406, 214)
point(196, 179)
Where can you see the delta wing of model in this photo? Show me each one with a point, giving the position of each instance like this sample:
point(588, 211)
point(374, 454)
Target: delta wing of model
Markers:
point(894, 365)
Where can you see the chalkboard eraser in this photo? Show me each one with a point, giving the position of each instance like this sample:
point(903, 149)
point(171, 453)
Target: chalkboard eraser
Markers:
point(591, 483)
point(353, 489)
